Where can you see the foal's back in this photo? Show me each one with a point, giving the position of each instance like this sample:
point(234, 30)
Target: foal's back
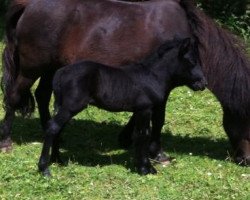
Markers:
point(125, 89)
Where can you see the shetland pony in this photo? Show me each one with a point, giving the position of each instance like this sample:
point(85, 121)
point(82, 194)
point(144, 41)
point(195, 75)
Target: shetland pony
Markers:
point(43, 35)
point(135, 88)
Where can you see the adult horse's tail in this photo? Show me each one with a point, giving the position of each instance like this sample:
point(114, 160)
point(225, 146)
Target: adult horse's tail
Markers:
point(11, 59)
point(227, 69)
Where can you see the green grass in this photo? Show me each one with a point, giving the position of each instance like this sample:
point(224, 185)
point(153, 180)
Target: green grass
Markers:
point(98, 169)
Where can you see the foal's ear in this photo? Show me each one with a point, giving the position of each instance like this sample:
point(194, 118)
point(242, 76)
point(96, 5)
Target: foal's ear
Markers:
point(184, 47)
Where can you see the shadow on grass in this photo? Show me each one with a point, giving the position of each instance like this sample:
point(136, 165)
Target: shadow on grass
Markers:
point(90, 143)
point(197, 146)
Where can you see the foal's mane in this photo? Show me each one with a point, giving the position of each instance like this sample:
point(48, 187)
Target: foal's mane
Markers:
point(224, 60)
point(149, 60)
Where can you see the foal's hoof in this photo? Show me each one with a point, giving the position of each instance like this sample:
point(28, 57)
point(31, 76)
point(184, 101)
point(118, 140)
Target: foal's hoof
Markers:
point(46, 172)
point(6, 145)
point(146, 170)
point(43, 168)
point(125, 140)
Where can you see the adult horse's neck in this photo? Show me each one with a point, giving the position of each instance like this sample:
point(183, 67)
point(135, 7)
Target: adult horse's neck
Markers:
point(224, 60)
point(226, 67)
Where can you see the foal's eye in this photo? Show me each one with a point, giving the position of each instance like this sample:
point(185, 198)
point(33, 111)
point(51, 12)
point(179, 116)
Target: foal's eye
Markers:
point(189, 60)
point(193, 61)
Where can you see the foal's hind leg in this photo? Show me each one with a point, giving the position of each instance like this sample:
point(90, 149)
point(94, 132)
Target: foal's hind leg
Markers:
point(55, 153)
point(43, 95)
point(55, 125)
point(18, 98)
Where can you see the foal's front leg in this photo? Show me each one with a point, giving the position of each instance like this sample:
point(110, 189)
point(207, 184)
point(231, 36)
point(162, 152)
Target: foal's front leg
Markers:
point(142, 139)
point(55, 125)
point(155, 146)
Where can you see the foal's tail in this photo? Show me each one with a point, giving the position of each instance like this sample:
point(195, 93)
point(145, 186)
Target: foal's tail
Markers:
point(11, 59)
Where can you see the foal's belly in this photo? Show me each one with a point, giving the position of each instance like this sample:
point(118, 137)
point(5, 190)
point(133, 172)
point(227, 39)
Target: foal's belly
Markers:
point(122, 103)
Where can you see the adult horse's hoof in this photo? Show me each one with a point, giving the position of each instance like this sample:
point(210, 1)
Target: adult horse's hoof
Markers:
point(242, 156)
point(144, 170)
point(6, 145)
point(243, 161)
point(162, 158)
point(157, 155)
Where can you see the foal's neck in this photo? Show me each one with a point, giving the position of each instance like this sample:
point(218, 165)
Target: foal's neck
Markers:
point(156, 73)
point(160, 67)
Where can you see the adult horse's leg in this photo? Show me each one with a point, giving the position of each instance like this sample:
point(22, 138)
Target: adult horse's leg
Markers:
point(125, 137)
point(142, 139)
point(43, 95)
point(21, 99)
point(238, 131)
point(6, 142)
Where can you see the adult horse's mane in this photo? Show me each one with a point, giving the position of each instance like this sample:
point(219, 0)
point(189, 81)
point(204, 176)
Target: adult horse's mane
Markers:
point(224, 58)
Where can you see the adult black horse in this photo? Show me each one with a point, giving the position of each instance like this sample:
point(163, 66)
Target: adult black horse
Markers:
point(43, 35)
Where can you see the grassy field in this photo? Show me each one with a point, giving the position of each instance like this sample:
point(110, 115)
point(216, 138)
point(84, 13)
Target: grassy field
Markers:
point(98, 169)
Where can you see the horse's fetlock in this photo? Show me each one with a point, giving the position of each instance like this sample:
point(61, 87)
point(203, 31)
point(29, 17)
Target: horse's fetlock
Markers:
point(13, 100)
point(53, 127)
point(42, 165)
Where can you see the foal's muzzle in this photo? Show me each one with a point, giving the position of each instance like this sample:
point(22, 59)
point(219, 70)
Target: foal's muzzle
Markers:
point(199, 85)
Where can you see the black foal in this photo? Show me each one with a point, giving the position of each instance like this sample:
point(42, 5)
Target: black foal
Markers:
point(136, 88)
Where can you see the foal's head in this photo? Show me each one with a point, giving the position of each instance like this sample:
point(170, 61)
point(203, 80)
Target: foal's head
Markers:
point(184, 64)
